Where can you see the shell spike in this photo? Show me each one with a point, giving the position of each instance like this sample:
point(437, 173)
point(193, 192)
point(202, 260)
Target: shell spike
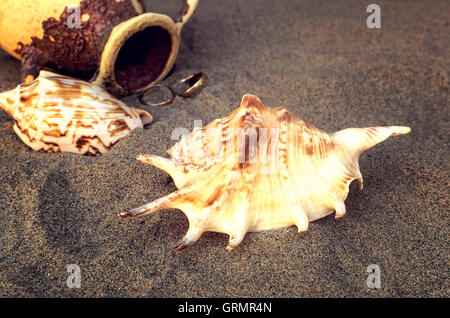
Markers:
point(249, 100)
point(240, 228)
point(301, 221)
point(361, 139)
point(360, 180)
point(169, 166)
point(165, 202)
point(235, 240)
point(159, 162)
point(339, 207)
point(192, 235)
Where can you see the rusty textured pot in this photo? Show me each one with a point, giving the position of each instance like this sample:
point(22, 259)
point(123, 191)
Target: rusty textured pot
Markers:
point(112, 43)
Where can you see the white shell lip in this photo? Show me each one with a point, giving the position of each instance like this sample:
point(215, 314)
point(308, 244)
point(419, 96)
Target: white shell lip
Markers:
point(313, 172)
point(57, 113)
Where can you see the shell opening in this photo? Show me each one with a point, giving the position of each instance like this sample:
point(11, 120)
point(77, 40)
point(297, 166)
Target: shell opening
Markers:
point(142, 58)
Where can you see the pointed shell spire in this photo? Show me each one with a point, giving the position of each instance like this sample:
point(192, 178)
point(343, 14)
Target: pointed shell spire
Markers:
point(56, 113)
point(360, 139)
point(260, 168)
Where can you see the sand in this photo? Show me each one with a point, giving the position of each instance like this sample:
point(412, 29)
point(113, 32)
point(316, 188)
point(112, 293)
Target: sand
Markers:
point(321, 61)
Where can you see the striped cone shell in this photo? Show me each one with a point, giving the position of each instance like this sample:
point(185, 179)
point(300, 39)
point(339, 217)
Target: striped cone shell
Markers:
point(56, 113)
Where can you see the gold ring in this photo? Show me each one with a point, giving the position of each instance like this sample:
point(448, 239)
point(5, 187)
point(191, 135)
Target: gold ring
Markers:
point(164, 103)
point(196, 81)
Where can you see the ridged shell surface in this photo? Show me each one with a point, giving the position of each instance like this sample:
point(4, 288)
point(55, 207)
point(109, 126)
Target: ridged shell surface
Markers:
point(56, 113)
point(261, 168)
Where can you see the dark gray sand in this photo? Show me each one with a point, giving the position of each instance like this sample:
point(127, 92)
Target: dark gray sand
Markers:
point(320, 60)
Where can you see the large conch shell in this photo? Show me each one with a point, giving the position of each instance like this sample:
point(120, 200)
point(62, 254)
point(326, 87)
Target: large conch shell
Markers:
point(57, 113)
point(261, 168)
